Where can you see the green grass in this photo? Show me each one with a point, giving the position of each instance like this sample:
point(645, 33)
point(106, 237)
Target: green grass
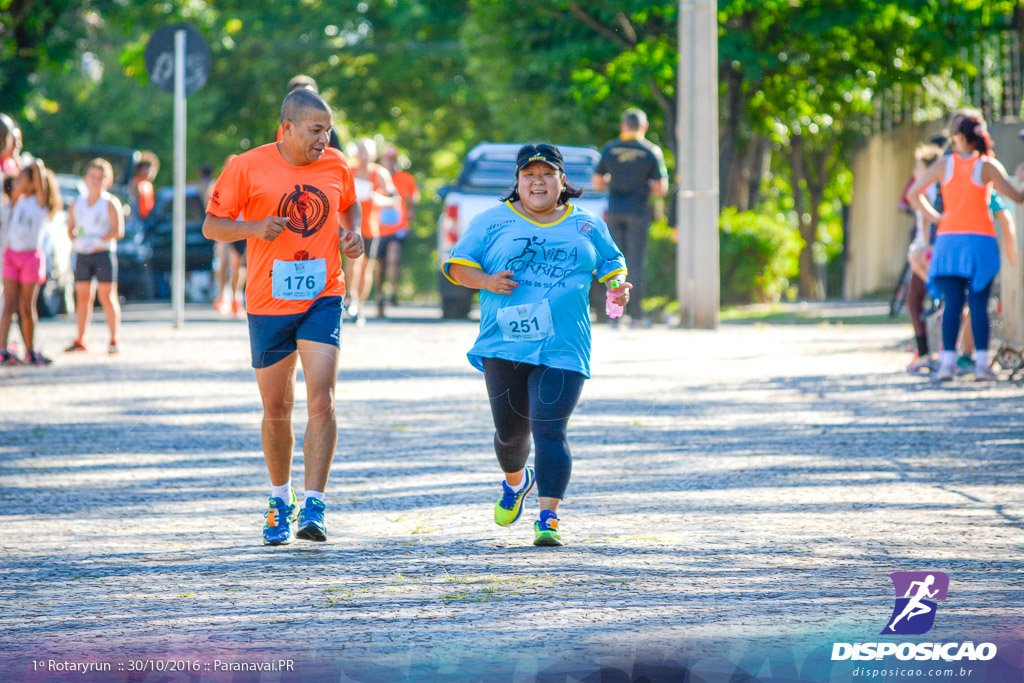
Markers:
point(778, 315)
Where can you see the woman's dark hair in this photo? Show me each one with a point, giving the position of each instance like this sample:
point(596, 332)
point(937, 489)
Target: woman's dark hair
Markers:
point(976, 134)
point(569, 191)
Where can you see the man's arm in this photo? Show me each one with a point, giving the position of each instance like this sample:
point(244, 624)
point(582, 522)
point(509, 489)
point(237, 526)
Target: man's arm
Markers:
point(659, 187)
point(351, 218)
point(600, 181)
point(349, 223)
point(229, 230)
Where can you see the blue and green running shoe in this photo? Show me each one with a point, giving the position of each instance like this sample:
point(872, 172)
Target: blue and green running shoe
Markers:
point(545, 529)
point(508, 509)
point(311, 521)
point(277, 529)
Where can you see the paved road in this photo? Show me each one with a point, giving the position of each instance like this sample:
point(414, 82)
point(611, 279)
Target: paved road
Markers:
point(758, 483)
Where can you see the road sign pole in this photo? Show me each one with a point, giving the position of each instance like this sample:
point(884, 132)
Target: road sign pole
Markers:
point(178, 244)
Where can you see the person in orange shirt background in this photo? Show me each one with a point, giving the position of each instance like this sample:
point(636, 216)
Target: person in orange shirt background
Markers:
point(394, 225)
point(294, 202)
point(141, 185)
point(374, 190)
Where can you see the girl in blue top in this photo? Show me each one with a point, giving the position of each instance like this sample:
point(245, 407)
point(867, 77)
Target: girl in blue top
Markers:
point(532, 258)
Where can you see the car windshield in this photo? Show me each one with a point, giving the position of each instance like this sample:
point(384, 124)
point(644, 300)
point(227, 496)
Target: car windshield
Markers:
point(73, 162)
point(496, 171)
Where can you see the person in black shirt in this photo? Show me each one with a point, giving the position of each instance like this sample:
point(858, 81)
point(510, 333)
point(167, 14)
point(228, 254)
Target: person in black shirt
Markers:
point(632, 169)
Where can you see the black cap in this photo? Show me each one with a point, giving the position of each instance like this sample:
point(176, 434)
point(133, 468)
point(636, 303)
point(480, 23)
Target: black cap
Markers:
point(549, 154)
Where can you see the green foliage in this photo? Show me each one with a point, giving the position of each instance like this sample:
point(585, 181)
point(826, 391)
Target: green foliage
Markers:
point(661, 261)
point(436, 77)
point(758, 256)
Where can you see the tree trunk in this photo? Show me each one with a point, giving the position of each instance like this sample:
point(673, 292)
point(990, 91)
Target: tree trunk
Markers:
point(808, 287)
point(728, 176)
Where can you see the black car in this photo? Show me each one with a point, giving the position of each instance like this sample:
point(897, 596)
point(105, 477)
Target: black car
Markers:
point(157, 237)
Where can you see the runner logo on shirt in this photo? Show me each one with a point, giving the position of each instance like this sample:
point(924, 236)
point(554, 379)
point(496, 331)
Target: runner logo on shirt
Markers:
point(540, 259)
point(306, 208)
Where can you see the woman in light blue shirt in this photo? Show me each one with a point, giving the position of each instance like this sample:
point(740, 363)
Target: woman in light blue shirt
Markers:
point(532, 258)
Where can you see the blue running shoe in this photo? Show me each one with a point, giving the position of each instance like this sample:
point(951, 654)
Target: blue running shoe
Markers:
point(311, 521)
point(277, 529)
point(545, 529)
point(508, 509)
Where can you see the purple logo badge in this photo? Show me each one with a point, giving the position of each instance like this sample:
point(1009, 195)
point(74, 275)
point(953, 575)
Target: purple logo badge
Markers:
point(914, 612)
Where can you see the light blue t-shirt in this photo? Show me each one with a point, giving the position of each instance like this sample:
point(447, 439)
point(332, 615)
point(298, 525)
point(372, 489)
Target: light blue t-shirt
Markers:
point(546, 319)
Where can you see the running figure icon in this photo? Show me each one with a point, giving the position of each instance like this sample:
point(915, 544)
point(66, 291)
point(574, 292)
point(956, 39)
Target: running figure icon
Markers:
point(915, 607)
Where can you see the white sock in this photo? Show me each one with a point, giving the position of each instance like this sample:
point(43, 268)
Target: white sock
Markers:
point(318, 495)
point(947, 359)
point(283, 492)
point(518, 487)
point(980, 359)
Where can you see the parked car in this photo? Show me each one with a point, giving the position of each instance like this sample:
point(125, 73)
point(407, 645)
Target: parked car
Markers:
point(489, 170)
point(157, 236)
point(72, 162)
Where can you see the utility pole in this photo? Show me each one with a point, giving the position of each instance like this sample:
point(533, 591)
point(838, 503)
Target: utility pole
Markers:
point(697, 165)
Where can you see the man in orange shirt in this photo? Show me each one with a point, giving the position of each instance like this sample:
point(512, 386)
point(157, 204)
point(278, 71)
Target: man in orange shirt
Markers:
point(299, 207)
point(394, 225)
point(141, 185)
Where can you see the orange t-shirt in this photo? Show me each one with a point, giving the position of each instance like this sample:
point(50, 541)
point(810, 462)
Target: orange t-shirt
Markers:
point(146, 198)
point(405, 186)
point(260, 183)
point(377, 183)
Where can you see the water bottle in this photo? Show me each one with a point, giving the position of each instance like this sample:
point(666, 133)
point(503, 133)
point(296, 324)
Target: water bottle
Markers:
point(613, 309)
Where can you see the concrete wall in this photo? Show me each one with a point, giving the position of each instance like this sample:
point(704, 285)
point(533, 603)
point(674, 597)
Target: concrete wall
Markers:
point(877, 232)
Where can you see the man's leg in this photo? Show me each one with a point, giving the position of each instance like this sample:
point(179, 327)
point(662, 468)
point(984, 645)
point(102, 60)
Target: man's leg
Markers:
point(320, 367)
point(277, 391)
point(637, 238)
point(394, 258)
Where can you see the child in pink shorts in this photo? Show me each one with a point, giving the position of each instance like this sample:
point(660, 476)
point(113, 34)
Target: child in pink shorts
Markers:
point(35, 201)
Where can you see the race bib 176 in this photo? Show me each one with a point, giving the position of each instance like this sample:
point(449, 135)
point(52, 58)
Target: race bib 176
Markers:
point(299, 280)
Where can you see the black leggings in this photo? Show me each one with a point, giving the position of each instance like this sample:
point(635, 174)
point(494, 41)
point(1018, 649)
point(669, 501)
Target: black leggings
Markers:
point(954, 291)
point(533, 399)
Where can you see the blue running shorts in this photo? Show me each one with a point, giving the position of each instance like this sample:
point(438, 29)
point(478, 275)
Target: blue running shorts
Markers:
point(272, 338)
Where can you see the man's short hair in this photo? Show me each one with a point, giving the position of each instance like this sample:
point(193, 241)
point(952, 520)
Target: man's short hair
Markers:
point(103, 165)
point(302, 81)
point(299, 103)
point(634, 119)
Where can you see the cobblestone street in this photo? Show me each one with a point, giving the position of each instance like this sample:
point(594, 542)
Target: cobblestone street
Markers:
point(759, 482)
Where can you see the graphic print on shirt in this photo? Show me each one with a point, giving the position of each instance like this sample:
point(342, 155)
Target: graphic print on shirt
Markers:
point(549, 263)
point(306, 208)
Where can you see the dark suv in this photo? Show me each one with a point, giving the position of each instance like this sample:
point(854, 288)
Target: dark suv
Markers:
point(158, 231)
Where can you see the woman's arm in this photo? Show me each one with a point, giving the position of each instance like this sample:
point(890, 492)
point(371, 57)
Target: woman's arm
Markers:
point(116, 220)
point(1005, 220)
point(39, 181)
point(476, 278)
point(916, 193)
point(993, 172)
point(71, 222)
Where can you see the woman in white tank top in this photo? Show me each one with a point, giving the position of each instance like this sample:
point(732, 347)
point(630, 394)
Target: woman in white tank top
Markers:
point(95, 225)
